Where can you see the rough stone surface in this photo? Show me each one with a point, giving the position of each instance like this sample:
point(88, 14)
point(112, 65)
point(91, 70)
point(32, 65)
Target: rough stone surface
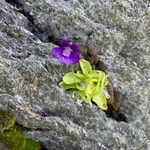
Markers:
point(119, 31)
point(3, 146)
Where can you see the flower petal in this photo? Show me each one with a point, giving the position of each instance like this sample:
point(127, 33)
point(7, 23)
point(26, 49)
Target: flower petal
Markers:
point(75, 47)
point(57, 52)
point(65, 60)
point(64, 42)
point(73, 59)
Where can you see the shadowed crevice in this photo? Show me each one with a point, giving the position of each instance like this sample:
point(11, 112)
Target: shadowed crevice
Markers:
point(45, 35)
point(92, 57)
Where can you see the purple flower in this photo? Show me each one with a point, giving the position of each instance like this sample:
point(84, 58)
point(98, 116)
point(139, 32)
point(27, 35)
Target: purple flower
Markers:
point(67, 52)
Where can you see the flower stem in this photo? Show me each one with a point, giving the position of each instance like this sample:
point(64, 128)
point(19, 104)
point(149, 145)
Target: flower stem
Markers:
point(72, 68)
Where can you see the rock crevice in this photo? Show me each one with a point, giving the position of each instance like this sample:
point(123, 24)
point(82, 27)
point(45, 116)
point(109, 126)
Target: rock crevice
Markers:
point(118, 31)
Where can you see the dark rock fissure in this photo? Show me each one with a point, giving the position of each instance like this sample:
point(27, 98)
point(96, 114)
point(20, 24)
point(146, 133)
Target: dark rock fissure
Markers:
point(21, 57)
point(93, 58)
point(44, 36)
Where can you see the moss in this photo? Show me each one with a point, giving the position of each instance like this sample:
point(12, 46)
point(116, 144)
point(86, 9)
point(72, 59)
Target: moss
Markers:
point(7, 120)
point(16, 140)
point(32, 145)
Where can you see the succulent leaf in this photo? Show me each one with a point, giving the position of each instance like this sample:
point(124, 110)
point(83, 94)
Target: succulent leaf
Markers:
point(85, 67)
point(70, 78)
point(101, 101)
point(66, 86)
point(87, 83)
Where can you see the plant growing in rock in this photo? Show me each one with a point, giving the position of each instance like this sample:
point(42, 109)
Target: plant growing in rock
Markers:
point(88, 84)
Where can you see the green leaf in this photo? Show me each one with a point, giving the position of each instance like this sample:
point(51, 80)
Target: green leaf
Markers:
point(104, 81)
point(66, 86)
point(95, 73)
point(95, 76)
point(87, 84)
point(70, 78)
point(80, 75)
point(101, 101)
point(80, 85)
point(90, 88)
point(83, 96)
point(85, 67)
point(98, 87)
point(70, 91)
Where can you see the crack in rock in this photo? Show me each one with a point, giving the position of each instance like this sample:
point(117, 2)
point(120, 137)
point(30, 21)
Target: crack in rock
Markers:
point(45, 35)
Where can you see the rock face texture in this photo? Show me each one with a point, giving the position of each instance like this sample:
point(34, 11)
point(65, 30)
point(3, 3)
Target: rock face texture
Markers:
point(118, 31)
point(3, 146)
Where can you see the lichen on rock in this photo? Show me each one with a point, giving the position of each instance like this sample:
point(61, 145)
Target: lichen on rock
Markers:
point(16, 140)
point(7, 120)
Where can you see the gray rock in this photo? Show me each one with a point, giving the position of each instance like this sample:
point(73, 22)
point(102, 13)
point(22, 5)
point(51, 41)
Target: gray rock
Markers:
point(3, 146)
point(118, 31)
